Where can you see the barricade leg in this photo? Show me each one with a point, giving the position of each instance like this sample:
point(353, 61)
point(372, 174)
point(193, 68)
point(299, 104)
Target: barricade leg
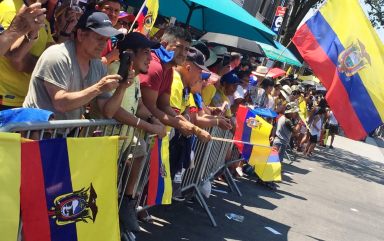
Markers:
point(205, 206)
point(231, 182)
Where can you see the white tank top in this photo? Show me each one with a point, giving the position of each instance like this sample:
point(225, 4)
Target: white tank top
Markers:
point(315, 125)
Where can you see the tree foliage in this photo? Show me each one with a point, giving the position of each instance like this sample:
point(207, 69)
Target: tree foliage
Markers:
point(376, 12)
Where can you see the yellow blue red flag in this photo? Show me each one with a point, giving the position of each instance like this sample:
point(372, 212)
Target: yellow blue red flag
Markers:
point(159, 183)
point(253, 129)
point(344, 51)
point(147, 16)
point(10, 154)
point(69, 189)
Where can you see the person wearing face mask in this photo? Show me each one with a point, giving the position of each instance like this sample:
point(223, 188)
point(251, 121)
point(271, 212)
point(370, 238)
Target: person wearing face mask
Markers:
point(156, 84)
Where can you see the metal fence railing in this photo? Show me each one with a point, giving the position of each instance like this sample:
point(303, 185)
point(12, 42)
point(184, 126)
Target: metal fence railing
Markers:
point(210, 159)
point(92, 128)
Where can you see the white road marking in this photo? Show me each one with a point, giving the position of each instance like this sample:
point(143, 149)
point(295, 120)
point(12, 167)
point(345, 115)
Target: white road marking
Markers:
point(272, 230)
point(354, 210)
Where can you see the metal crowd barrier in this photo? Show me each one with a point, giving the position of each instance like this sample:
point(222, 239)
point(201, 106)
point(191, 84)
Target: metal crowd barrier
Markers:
point(210, 160)
point(92, 128)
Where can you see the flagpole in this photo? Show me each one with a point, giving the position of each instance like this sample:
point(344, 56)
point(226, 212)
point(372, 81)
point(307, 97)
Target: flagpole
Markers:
point(282, 52)
point(137, 16)
point(237, 141)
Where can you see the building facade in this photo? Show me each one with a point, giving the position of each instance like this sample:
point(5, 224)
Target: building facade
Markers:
point(263, 10)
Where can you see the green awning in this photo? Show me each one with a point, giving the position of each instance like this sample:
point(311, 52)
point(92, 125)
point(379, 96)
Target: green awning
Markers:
point(281, 54)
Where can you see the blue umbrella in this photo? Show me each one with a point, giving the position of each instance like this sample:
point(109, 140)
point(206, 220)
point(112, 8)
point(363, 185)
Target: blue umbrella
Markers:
point(219, 16)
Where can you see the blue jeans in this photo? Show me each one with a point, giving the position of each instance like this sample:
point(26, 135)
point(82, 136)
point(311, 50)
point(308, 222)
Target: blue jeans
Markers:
point(281, 149)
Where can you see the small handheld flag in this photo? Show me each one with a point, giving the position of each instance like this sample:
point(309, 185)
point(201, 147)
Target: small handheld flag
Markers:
point(159, 183)
point(147, 16)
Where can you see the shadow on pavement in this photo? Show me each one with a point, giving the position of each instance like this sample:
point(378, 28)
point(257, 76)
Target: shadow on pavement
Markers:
point(183, 221)
point(353, 164)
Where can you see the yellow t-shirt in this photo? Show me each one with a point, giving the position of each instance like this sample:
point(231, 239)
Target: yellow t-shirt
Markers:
point(14, 84)
point(129, 103)
point(179, 96)
point(216, 98)
point(207, 93)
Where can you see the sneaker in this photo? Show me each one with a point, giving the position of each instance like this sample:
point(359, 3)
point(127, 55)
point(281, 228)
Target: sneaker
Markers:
point(127, 214)
point(239, 171)
point(330, 147)
point(144, 216)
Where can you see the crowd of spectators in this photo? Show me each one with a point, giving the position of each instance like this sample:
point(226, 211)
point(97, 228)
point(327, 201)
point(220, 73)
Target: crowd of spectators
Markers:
point(68, 61)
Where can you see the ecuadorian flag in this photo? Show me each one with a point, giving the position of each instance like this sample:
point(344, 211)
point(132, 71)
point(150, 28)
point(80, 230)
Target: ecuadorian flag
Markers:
point(10, 156)
point(147, 17)
point(69, 189)
point(346, 54)
point(253, 129)
point(159, 183)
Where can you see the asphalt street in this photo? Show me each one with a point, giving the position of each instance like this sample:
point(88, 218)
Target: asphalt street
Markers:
point(338, 194)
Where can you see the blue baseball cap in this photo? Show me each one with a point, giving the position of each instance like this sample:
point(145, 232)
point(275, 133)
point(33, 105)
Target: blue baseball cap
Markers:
point(252, 80)
point(230, 78)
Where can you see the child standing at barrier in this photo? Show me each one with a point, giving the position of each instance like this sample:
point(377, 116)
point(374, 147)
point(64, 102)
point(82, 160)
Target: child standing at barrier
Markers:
point(285, 129)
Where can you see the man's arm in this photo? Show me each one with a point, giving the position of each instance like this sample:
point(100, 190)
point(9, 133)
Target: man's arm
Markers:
point(168, 116)
point(130, 119)
point(114, 102)
point(206, 121)
point(144, 113)
point(151, 101)
point(64, 101)
point(7, 38)
point(23, 23)
point(19, 55)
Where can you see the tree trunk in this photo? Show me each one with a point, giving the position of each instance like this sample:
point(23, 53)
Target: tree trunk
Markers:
point(300, 9)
